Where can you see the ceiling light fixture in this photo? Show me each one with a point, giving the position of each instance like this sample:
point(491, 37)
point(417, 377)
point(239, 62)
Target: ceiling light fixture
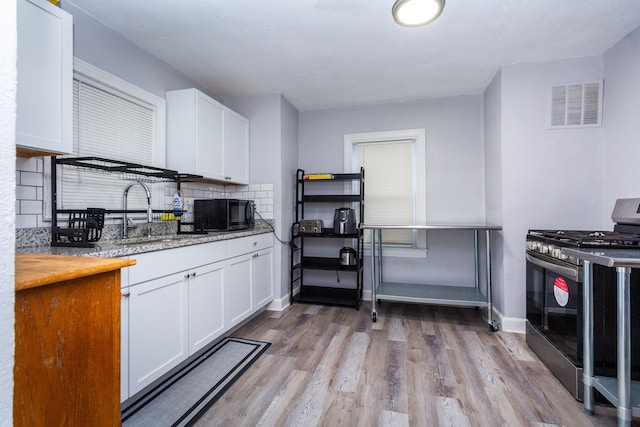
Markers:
point(413, 13)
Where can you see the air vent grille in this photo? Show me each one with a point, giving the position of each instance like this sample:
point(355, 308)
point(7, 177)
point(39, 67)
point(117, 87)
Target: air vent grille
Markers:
point(576, 105)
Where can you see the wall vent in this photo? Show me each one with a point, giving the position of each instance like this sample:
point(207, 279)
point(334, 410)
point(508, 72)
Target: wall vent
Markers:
point(576, 105)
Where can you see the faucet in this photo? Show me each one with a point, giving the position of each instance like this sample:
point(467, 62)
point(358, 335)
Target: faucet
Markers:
point(125, 219)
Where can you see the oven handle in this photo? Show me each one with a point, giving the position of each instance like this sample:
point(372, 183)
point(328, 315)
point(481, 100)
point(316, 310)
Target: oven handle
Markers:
point(571, 273)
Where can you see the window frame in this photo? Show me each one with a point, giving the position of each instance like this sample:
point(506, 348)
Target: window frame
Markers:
point(418, 135)
point(95, 76)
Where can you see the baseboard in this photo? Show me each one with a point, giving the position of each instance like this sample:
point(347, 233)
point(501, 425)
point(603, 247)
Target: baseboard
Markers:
point(510, 324)
point(279, 304)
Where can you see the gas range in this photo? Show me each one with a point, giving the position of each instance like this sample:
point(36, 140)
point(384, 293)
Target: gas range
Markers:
point(550, 242)
point(554, 295)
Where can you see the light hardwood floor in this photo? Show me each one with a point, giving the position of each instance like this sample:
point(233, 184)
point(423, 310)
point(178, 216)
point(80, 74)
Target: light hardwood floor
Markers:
point(416, 366)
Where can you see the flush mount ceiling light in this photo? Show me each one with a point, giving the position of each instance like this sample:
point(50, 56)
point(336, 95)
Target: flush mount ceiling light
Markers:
point(413, 13)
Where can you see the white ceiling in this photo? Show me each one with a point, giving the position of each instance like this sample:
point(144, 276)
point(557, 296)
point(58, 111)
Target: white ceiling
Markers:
point(339, 53)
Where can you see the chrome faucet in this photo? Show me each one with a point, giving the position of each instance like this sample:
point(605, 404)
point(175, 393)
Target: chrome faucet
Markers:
point(125, 219)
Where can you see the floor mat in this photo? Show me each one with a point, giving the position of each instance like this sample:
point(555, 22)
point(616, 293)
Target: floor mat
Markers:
point(183, 398)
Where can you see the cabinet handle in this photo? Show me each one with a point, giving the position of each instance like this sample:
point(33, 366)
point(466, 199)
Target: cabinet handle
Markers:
point(186, 276)
point(256, 255)
point(126, 294)
point(193, 274)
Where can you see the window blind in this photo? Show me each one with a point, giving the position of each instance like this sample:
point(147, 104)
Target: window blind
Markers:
point(111, 125)
point(390, 189)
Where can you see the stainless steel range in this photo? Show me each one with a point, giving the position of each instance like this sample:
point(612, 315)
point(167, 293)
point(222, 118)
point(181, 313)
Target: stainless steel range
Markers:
point(554, 297)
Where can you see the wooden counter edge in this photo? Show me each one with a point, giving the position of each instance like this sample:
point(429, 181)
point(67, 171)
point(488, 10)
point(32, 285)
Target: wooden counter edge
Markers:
point(33, 270)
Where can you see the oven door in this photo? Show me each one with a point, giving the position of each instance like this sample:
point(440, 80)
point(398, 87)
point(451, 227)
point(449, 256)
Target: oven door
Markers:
point(535, 293)
point(558, 290)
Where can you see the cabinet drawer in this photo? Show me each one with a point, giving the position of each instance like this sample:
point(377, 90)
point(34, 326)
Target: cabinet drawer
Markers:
point(162, 263)
point(244, 245)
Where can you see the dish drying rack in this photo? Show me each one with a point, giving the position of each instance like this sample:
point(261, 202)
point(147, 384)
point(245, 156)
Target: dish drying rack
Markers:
point(84, 226)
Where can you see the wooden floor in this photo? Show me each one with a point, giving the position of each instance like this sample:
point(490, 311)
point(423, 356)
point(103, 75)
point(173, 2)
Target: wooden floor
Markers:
point(416, 366)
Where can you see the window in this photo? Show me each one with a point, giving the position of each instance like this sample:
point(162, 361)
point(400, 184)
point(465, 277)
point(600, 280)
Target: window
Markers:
point(115, 120)
point(394, 165)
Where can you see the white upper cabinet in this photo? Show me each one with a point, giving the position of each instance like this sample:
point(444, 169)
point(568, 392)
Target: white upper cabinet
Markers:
point(208, 142)
point(236, 147)
point(45, 79)
point(206, 138)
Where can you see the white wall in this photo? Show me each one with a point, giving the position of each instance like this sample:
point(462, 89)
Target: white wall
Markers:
point(622, 123)
point(273, 145)
point(8, 48)
point(102, 47)
point(493, 180)
point(454, 169)
point(550, 178)
point(289, 165)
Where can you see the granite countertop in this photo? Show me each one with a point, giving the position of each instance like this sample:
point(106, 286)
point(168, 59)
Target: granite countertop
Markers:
point(607, 257)
point(125, 247)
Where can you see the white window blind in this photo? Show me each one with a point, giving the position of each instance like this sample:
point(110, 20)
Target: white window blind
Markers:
point(111, 125)
point(389, 192)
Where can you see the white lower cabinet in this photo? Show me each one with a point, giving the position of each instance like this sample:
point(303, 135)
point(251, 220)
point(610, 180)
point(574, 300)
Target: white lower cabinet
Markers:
point(157, 329)
point(206, 305)
point(238, 289)
point(262, 272)
point(178, 301)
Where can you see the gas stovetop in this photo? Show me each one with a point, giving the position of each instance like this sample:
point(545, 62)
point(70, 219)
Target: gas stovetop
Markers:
point(626, 234)
point(586, 238)
point(550, 242)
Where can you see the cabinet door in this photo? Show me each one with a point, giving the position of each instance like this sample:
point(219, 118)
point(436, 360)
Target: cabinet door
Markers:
point(236, 148)
point(45, 77)
point(238, 289)
point(209, 152)
point(157, 329)
point(206, 305)
point(262, 271)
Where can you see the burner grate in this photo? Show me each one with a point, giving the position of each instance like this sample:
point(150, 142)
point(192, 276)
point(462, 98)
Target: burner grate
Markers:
point(587, 238)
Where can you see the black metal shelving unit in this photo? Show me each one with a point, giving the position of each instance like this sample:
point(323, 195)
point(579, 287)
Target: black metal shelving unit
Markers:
point(346, 190)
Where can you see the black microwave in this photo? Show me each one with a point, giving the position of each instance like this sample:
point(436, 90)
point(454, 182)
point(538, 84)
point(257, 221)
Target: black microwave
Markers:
point(223, 214)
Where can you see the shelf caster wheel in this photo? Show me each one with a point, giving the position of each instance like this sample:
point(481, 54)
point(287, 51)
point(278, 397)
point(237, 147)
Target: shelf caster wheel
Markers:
point(374, 317)
point(493, 328)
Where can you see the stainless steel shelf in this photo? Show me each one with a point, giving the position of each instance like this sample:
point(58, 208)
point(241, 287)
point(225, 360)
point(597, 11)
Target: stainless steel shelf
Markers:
point(608, 386)
point(460, 296)
point(463, 296)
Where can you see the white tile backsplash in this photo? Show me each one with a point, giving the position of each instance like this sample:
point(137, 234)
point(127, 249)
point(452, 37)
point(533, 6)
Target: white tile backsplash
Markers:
point(31, 179)
point(26, 193)
point(196, 190)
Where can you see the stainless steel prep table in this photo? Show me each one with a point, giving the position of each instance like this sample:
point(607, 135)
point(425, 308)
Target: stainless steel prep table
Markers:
point(464, 296)
point(620, 391)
